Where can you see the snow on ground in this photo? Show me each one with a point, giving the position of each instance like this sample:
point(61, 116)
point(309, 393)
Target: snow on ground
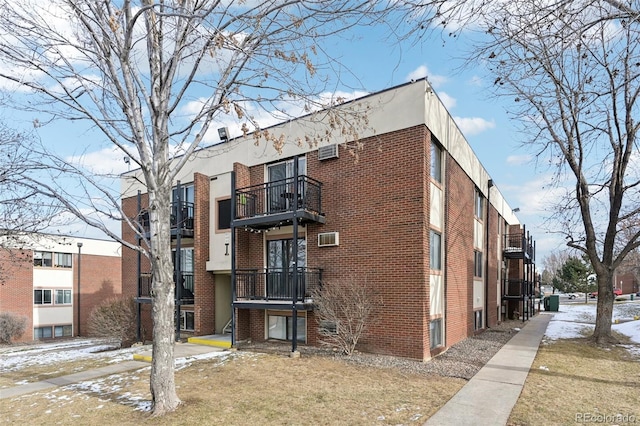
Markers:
point(21, 356)
point(578, 320)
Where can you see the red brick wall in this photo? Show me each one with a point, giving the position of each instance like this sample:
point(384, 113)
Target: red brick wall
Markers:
point(492, 270)
point(130, 261)
point(100, 279)
point(459, 217)
point(378, 207)
point(16, 287)
point(204, 316)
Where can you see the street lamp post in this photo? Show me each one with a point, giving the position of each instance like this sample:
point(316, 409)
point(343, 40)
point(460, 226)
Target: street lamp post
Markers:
point(79, 266)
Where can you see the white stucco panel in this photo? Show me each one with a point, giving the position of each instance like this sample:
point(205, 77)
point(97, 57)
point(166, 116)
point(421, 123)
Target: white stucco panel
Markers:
point(478, 294)
point(53, 277)
point(52, 315)
point(478, 234)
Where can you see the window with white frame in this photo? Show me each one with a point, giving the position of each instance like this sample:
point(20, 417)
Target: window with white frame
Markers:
point(435, 250)
point(479, 204)
point(435, 333)
point(62, 331)
point(478, 320)
point(186, 320)
point(63, 297)
point(436, 161)
point(42, 333)
point(43, 259)
point(62, 260)
point(477, 263)
point(42, 297)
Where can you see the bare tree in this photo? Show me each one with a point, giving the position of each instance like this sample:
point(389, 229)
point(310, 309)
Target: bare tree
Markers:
point(132, 68)
point(344, 309)
point(574, 76)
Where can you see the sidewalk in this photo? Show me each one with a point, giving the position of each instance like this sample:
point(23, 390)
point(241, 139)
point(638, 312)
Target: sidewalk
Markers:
point(181, 350)
point(489, 397)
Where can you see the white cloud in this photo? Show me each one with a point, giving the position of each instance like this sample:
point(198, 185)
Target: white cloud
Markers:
point(105, 161)
point(448, 101)
point(518, 160)
point(422, 71)
point(473, 125)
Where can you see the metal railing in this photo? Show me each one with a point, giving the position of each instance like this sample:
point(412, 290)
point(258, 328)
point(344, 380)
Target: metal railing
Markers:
point(519, 242)
point(278, 197)
point(187, 291)
point(277, 284)
point(181, 217)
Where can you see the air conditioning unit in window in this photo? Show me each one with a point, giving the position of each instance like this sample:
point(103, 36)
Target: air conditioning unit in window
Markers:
point(328, 151)
point(328, 239)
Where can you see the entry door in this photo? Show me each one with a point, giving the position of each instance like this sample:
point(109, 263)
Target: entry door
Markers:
point(281, 183)
point(280, 268)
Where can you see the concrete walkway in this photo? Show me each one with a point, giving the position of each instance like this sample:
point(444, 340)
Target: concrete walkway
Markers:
point(489, 397)
point(181, 350)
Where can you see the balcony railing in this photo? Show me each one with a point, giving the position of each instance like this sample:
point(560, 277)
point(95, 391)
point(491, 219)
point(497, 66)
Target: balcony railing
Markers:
point(181, 217)
point(278, 197)
point(277, 284)
point(517, 288)
point(186, 292)
point(519, 242)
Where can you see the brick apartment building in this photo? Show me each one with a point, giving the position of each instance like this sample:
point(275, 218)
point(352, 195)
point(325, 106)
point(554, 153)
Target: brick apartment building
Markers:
point(55, 281)
point(417, 218)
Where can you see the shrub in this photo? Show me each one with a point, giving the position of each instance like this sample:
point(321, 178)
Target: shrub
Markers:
point(343, 310)
point(116, 319)
point(12, 326)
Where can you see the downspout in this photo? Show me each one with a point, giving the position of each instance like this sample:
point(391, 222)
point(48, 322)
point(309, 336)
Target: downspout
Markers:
point(294, 319)
point(445, 251)
point(486, 262)
point(233, 258)
point(178, 259)
point(139, 271)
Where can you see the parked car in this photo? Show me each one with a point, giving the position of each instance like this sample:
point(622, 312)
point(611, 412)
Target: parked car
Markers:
point(616, 292)
point(572, 296)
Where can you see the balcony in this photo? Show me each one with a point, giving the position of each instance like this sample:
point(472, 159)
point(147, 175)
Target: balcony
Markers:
point(181, 219)
point(186, 291)
point(277, 203)
point(276, 285)
point(519, 246)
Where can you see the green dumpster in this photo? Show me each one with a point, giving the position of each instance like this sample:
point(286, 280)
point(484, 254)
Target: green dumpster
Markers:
point(545, 302)
point(554, 303)
point(632, 296)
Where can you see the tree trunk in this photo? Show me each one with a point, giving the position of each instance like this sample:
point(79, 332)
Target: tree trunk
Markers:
point(162, 383)
point(602, 332)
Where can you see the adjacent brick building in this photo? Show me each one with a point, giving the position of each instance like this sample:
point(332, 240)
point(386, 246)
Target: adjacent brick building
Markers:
point(55, 281)
point(416, 218)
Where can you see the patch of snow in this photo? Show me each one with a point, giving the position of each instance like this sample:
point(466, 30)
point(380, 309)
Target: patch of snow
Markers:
point(578, 320)
point(544, 367)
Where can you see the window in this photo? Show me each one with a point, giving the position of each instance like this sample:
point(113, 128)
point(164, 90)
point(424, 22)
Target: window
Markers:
point(186, 320)
point(224, 214)
point(280, 327)
point(435, 332)
point(62, 331)
point(436, 161)
point(42, 333)
point(42, 297)
point(435, 250)
point(477, 263)
point(477, 324)
point(63, 260)
point(63, 297)
point(479, 204)
point(42, 258)
point(187, 194)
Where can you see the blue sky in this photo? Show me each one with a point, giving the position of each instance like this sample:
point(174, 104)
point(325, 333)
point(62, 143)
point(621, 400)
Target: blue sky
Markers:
point(375, 64)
